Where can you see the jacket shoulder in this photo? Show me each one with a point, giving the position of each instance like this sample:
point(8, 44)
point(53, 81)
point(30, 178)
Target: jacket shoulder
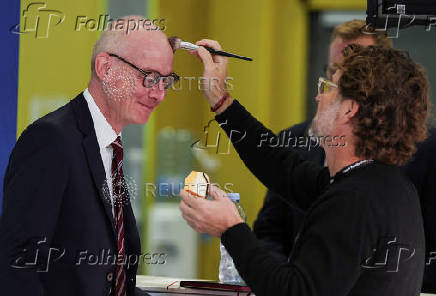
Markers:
point(55, 128)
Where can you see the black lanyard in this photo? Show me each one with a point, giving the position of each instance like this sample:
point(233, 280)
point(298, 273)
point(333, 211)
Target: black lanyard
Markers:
point(351, 167)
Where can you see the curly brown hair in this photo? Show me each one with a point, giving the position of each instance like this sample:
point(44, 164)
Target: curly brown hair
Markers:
point(392, 92)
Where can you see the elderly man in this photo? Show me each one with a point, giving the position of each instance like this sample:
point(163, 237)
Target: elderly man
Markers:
point(363, 232)
point(68, 227)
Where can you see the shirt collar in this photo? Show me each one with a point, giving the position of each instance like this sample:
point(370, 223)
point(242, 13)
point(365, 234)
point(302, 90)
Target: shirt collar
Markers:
point(349, 168)
point(103, 130)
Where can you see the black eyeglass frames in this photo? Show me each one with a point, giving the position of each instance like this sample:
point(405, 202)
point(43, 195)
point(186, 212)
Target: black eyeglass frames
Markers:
point(151, 78)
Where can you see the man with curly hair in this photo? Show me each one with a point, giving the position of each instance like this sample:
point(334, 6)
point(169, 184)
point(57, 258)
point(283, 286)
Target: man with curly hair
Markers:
point(363, 231)
point(278, 222)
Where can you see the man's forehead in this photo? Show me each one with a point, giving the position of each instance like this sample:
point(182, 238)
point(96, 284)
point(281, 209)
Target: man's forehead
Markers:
point(152, 55)
point(142, 41)
point(146, 54)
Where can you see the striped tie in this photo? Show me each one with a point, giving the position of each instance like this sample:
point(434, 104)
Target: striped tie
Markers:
point(118, 197)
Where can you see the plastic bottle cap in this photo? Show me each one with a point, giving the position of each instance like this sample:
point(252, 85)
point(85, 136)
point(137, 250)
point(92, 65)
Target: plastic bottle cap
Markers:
point(233, 197)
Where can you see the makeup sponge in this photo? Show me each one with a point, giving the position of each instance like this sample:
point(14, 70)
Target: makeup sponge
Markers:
point(197, 184)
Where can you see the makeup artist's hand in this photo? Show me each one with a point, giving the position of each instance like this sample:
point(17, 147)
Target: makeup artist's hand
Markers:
point(215, 73)
point(209, 216)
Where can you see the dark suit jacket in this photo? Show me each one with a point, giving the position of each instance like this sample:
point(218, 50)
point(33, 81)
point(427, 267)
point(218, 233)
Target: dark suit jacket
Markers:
point(278, 223)
point(57, 235)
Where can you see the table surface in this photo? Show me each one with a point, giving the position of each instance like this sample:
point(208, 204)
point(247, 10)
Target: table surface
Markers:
point(162, 286)
point(165, 286)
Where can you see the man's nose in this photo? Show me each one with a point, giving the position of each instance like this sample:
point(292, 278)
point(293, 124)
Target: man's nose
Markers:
point(158, 91)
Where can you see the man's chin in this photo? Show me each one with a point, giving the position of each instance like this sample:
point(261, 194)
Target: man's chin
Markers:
point(319, 131)
point(144, 121)
point(320, 134)
point(141, 119)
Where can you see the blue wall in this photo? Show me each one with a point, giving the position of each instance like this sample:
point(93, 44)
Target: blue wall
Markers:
point(9, 77)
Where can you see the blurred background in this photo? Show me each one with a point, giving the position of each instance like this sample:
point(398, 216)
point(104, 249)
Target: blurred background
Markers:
point(45, 67)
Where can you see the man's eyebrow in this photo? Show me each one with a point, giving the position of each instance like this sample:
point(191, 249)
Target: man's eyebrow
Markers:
point(152, 70)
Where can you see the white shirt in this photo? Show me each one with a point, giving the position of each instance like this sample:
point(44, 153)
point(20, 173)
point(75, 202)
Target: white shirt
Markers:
point(105, 136)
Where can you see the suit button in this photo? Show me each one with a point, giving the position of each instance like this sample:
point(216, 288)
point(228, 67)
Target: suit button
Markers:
point(109, 277)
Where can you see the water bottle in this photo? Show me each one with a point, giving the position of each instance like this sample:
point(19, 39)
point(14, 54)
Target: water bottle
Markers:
point(227, 270)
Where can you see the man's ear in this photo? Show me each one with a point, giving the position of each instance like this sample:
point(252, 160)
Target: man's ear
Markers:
point(102, 65)
point(349, 109)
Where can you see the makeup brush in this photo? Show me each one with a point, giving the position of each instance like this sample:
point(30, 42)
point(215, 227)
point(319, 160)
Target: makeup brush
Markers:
point(177, 43)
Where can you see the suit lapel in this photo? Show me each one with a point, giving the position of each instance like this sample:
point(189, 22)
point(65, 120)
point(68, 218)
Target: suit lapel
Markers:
point(93, 156)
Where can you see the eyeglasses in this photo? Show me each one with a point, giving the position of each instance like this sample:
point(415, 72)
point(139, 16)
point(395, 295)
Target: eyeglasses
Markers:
point(151, 78)
point(324, 85)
